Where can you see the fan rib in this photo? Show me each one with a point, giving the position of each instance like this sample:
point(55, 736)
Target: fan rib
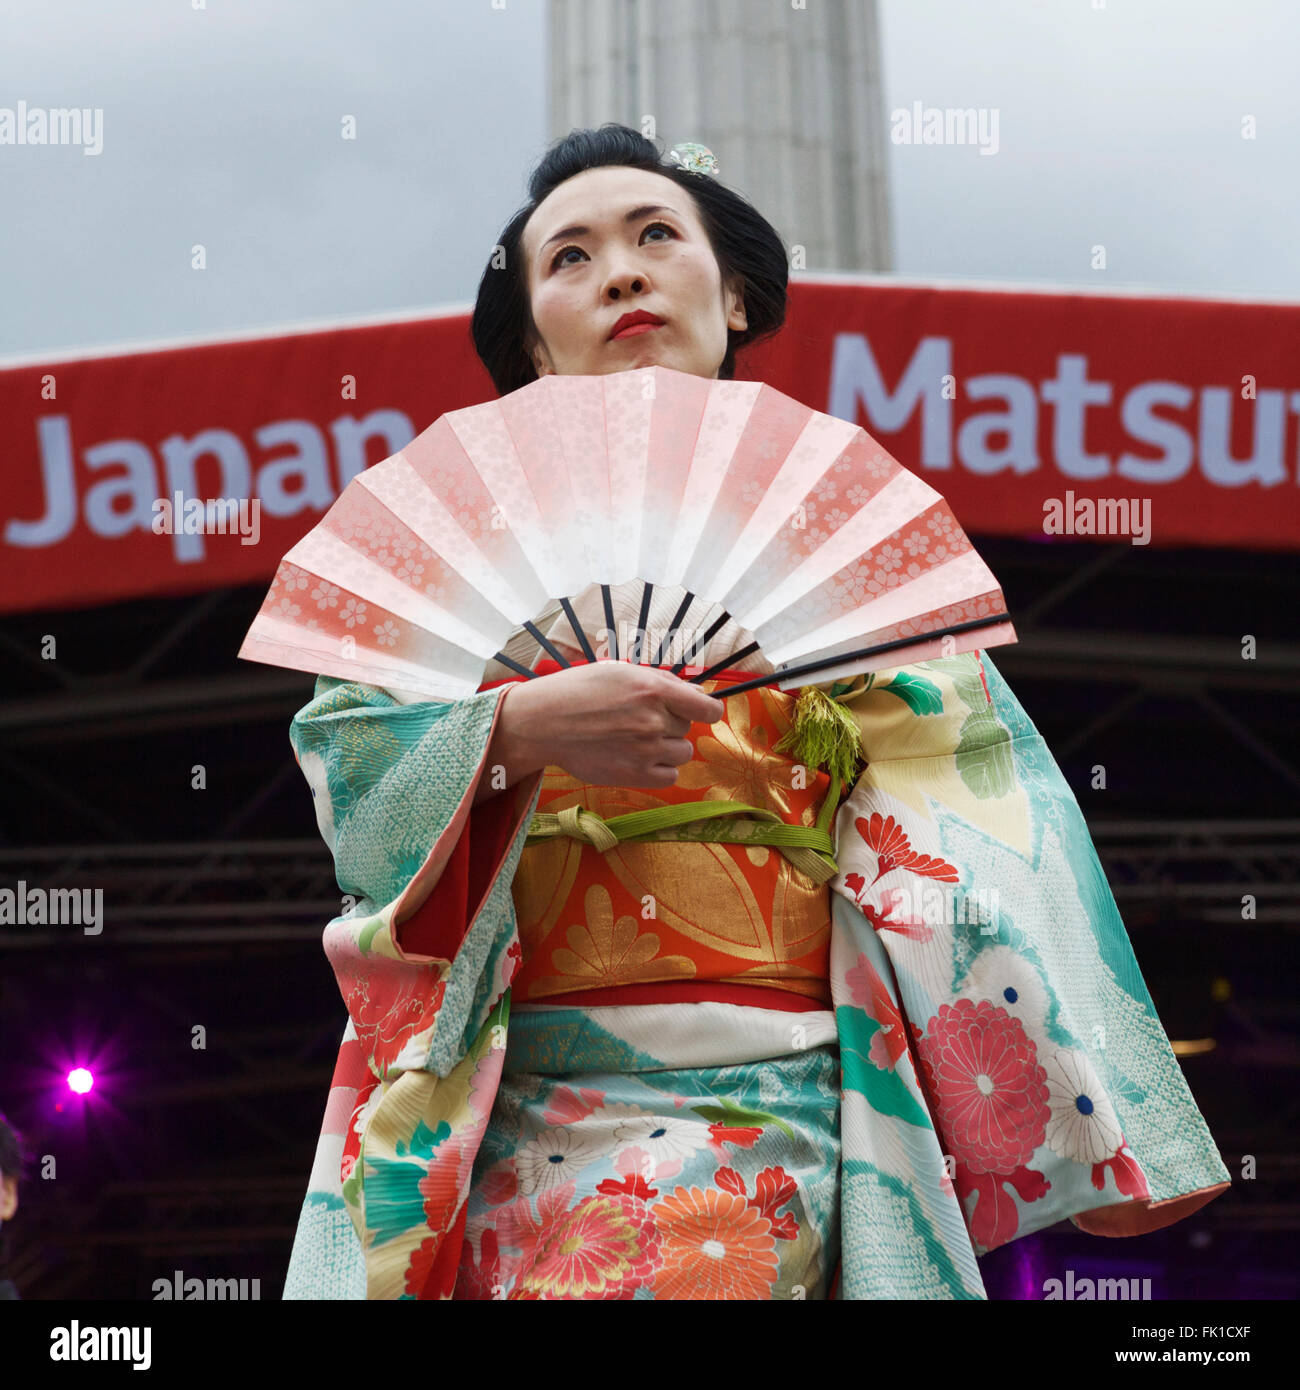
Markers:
point(547, 645)
point(577, 628)
point(724, 664)
point(646, 590)
point(610, 626)
point(673, 626)
point(514, 665)
point(701, 642)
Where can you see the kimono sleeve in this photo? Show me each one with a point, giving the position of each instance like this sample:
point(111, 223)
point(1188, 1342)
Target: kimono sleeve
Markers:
point(420, 866)
point(423, 956)
point(1006, 977)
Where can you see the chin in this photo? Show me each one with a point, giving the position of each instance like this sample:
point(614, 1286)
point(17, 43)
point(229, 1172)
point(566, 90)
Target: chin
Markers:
point(653, 355)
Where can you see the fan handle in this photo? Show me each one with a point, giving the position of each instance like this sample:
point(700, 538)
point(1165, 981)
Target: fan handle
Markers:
point(811, 667)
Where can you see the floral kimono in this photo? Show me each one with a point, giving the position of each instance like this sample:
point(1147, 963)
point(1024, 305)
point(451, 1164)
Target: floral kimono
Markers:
point(756, 1035)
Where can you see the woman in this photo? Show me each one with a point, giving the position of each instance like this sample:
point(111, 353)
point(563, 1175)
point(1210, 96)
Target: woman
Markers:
point(701, 1067)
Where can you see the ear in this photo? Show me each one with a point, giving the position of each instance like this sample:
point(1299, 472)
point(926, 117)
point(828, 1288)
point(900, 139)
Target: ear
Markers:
point(735, 305)
point(541, 360)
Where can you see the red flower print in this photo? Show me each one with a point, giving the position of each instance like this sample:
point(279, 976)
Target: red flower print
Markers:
point(351, 1139)
point(431, 1273)
point(730, 1181)
point(886, 838)
point(633, 1185)
point(743, 1136)
point(1129, 1177)
point(606, 1247)
point(443, 1188)
point(913, 928)
point(772, 1188)
point(869, 991)
point(982, 1070)
point(568, 1106)
point(499, 1186)
point(479, 1280)
point(390, 1004)
point(989, 1098)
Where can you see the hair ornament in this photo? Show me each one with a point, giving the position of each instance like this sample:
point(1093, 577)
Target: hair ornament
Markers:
point(696, 159)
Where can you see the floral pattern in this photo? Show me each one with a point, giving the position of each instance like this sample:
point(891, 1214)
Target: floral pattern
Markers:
point(972, 1079)
point(644, 1202)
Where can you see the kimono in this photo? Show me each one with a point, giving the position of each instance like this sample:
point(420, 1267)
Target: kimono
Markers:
point(846, 1066)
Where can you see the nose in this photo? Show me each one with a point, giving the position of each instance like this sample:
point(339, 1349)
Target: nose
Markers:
point(624, 282)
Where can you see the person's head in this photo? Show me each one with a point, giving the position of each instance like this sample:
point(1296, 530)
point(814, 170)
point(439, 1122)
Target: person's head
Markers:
point(704, 261)
point(11, 1169)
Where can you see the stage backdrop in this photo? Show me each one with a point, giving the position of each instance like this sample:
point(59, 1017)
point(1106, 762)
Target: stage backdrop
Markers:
point(1028, 410)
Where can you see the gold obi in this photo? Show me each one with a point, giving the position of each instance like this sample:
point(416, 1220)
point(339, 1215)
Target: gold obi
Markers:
point(692, 908)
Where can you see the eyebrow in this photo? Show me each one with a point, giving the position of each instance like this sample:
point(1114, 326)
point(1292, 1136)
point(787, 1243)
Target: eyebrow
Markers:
point(635, 215)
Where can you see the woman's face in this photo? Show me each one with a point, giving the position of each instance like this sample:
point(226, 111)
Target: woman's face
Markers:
point(586, 265)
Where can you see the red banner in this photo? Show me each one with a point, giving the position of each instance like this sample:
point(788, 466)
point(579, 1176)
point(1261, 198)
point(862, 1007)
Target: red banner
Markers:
point(1133, 419)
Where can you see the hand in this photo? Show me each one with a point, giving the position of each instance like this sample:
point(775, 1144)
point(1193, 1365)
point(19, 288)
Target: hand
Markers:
point(609, 723)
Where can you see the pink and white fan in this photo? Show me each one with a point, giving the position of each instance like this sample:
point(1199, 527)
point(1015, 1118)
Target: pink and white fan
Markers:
point(796, 525)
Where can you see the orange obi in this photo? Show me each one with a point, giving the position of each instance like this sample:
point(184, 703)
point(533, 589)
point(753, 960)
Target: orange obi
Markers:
point(662, 921)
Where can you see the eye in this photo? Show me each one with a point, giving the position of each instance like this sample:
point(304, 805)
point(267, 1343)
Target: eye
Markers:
point(564, 251)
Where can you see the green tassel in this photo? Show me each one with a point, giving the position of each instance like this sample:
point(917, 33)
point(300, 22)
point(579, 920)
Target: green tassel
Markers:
point(823, 735)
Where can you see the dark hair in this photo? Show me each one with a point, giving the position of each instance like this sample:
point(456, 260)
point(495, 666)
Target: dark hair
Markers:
point(745, 243)
point(11, 1151)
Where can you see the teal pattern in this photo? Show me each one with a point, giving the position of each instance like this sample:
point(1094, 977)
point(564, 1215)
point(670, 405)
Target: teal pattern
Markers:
point(1030, 1013)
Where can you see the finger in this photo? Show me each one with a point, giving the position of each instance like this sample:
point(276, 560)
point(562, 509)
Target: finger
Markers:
point(676, 751)
point(675, 727)
point(690, 702)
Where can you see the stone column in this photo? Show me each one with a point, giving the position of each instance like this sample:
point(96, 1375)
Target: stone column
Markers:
point(786, 95)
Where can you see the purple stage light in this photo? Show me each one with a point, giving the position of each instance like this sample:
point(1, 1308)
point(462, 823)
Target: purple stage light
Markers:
point(80, 1080)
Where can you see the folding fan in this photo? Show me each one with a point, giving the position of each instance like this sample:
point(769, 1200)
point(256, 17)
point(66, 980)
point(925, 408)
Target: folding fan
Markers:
point(796, 525)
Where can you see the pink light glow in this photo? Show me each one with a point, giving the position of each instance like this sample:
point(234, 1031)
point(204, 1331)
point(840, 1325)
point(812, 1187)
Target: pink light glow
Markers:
point(80, 1080)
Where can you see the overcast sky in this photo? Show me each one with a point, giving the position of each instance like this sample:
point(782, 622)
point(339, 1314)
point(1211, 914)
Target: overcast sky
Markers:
point(1120, 126)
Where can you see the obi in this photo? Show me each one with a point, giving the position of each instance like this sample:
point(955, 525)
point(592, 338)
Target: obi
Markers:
point(642, 893)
